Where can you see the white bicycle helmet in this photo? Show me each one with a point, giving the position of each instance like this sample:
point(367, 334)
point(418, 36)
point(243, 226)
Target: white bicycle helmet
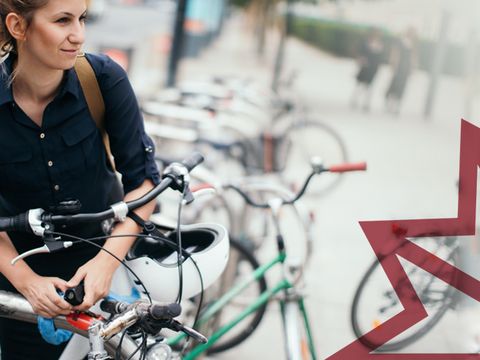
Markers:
point(156, 263)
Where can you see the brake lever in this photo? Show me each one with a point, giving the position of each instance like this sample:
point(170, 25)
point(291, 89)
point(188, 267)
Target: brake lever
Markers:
point(50, 246)
point(194, 334)
point(177, 326)
point(190, 196)
point(204, 192)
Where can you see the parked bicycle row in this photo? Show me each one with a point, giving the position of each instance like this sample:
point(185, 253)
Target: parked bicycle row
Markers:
point(251, 130)
point(156, 255)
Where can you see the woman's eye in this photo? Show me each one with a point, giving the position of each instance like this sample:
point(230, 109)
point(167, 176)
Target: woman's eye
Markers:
point(63, 20)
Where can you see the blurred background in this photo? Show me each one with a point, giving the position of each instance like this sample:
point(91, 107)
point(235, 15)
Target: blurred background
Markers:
point(393, 78)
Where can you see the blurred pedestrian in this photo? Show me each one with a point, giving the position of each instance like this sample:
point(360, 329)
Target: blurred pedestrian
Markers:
point(369, 59)
point(403, 60)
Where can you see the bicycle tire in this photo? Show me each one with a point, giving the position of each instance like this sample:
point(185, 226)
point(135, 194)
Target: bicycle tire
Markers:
point(296, 343)
point(448, 301)
point(308, 138)
point(246, 327)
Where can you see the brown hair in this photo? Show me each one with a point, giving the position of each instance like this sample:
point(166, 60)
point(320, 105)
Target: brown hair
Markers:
point(24, 8)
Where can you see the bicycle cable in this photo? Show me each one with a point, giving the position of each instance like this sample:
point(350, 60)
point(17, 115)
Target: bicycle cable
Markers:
point(180, 268)
point(91, 241)
point(179, 246)
point(168, 242)
point(117, 350)
point(140, 346)
point(172, 244)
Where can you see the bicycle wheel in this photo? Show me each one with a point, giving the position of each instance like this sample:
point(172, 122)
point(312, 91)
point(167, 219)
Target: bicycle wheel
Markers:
point(307, 139)
point(241, 264)
point(297, 342)
point(375, 300)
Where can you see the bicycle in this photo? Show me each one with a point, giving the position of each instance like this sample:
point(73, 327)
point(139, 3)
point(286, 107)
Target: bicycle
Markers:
point(375, 299)
point(298, 335)
point(275, 141)
point(244, 223)
point(242, 260)
point(194, 270)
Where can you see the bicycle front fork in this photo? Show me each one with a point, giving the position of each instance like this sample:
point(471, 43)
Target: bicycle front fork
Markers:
point(298, 337)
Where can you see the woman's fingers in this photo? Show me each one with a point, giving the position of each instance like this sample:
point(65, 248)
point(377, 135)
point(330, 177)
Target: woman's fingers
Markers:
point(53, 303)
point(93, 293)
point(59, 305)
point(96, 282)
point(76, 279)
point(44, 298)
point(60, 284)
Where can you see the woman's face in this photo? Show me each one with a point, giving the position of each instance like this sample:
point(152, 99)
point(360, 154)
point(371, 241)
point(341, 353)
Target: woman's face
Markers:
point(56, 34)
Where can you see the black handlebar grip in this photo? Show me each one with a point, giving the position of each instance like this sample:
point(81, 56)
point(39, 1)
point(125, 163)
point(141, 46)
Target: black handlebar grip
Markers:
point(113, 306)
point(5, 223)
point(75, 295)
point(159, 312)
point(193, 160)
point(15, 223)
point(20, 223)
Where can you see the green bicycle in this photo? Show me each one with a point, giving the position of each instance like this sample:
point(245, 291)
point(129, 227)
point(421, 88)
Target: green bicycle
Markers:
point(299, 342)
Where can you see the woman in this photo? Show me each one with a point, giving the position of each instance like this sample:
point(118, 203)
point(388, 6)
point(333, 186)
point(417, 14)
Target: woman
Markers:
point(51, 151)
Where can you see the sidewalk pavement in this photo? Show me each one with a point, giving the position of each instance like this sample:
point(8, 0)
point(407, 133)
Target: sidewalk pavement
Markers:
point(413, 168)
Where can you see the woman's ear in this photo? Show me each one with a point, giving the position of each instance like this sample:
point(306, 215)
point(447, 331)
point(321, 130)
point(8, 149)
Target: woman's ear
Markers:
point(17, 26)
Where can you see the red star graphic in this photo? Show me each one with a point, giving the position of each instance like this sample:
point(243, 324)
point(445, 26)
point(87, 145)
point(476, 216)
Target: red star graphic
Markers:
point(390, 237)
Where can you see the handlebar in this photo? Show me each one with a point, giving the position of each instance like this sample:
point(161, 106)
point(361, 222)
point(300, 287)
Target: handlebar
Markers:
point(141, 312)
point(340, 168)
point(121, 209)
point(157, 312)
point(23, 222)
point(40, 223)
point(317, 170)
point(129, 314)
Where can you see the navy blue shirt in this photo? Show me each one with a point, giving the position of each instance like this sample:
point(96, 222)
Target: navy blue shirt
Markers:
point(65, 158)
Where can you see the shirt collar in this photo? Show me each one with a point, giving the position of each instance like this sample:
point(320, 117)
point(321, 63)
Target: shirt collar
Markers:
point(6, 95)
point(70, 82)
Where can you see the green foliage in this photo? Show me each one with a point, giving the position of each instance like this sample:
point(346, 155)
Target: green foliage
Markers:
point(340, 38)
point(344, 39)
point(240, 3)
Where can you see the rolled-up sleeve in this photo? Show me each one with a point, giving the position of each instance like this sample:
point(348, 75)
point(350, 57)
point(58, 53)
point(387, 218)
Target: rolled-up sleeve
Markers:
point(133, 150)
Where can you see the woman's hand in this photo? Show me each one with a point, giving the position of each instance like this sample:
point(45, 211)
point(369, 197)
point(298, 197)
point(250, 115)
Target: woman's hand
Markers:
point(98, 272)
point(97, 277)
point(41, 293)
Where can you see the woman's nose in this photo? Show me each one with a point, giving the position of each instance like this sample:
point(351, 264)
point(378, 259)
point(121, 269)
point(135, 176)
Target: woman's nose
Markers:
point(77, 35)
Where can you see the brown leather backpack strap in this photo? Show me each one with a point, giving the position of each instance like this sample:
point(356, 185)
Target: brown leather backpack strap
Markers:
point(93, 96)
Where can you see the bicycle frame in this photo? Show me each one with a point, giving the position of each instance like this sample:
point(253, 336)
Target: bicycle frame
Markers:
point(291, 296)
point(14, 306)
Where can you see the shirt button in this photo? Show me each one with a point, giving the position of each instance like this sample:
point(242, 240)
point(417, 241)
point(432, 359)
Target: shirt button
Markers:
point(56, 187)
point(50, 163)
point(42, 136)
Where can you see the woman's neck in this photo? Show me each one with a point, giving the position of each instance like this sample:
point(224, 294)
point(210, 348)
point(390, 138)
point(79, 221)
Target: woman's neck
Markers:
point(37, 85)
